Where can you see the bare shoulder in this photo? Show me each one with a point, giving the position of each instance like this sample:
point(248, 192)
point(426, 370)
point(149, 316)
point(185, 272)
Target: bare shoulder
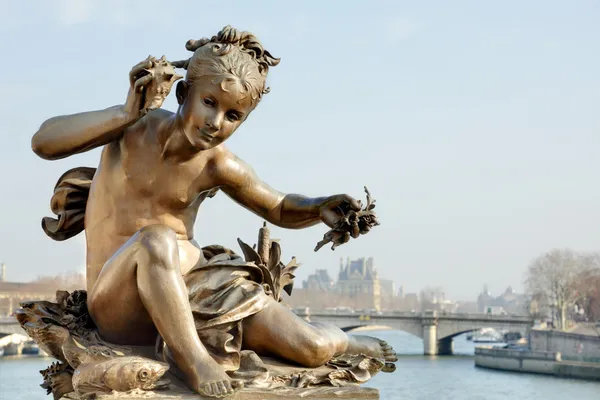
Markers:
point(159, 115)
point(228, 168)
point(148, 124)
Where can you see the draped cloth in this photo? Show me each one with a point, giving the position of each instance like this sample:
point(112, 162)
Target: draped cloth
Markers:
point(68, 203)
point(222, 293)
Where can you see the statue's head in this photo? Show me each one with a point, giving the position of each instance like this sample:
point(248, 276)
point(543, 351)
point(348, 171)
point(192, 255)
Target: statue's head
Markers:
point(225, 80)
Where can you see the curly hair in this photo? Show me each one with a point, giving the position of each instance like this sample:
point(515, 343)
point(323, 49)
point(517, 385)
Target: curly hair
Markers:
point(231, 55)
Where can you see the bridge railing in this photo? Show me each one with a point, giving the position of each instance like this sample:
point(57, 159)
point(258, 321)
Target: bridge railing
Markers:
point(408, 314)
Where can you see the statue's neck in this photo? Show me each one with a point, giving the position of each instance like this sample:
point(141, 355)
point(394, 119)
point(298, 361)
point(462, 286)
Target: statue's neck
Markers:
point(175, 145)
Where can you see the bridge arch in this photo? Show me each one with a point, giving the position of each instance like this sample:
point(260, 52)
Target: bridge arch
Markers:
point(413, 331)
point(348, 322)
point(452, 336)
point(447, 330)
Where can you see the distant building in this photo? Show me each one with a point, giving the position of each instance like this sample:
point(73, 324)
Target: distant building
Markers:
point(401, 292)
point(411, 302)
point(469, 307)
point(43, 288)
point(13, 293)
point(320, 280)
point(359, 279)
point(435, 299)
point(510, 302)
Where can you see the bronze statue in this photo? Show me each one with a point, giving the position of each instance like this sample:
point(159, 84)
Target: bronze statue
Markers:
point(146, 275)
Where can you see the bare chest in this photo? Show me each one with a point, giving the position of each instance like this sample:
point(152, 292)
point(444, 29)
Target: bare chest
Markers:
point(158, 182)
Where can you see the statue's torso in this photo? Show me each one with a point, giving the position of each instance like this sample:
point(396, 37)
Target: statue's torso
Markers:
point(132, 188)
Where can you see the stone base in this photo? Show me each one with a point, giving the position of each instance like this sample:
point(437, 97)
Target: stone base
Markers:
point(178, 391)
point(308, 394)
point(305, 394)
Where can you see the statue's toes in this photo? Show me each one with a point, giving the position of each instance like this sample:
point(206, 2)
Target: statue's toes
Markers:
point(220, 389)
point(389, 367)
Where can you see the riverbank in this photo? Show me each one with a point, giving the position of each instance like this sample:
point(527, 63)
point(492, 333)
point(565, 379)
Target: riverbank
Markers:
point(537, 362)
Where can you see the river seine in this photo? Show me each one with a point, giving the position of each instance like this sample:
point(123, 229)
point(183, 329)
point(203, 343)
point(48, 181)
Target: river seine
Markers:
point(417, 377)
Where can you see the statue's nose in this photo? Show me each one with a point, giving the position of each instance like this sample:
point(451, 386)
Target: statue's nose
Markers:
point(214, 122)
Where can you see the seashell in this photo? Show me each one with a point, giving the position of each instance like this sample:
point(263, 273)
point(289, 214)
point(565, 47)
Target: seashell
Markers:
point(159, 88)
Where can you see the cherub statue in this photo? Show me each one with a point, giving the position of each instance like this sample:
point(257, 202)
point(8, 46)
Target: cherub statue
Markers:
point(146, 275)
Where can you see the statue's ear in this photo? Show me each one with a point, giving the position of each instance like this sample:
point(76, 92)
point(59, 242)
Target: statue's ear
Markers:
point(181, 91)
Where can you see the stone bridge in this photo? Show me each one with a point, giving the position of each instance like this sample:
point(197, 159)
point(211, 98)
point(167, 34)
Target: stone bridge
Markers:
point(436, 329)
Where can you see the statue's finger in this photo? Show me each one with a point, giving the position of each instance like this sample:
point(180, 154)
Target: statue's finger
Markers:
point(354, 204)
point(354, 229)
point(144, 80)
point(346, 237)
point(138, 68)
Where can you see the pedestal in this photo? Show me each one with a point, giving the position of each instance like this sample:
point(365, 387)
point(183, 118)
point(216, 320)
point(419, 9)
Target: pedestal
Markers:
point(178, 391)
point(357, 393)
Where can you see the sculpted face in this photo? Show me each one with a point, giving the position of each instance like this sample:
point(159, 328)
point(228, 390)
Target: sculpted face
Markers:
point(211, 112)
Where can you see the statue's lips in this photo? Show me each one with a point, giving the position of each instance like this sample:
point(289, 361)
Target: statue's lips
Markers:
point(206, 135)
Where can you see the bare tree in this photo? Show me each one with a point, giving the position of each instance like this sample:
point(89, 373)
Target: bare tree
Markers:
point(556, 276)
point(589, 288)
point(536, 306)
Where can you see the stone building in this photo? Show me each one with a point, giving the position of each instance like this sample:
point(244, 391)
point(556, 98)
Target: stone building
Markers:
point(434, 298)
point(43, 288)
point(320, 281)
point(358, 279)
point(509, 302)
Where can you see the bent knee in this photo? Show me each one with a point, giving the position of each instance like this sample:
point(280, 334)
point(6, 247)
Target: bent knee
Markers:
point(316, 353)
point(159, 244)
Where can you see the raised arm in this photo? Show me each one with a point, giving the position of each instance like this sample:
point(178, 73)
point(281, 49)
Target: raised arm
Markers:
point(62, 136)
point(293, 211)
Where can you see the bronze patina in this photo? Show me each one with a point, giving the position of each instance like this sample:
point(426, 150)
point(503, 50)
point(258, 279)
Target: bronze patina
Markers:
point(216, 318)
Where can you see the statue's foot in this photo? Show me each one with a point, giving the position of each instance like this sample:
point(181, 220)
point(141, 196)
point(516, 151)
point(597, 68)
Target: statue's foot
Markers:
point(373, 347)
point(211, 383)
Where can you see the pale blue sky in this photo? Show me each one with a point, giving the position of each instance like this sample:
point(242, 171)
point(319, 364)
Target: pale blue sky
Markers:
point(474, 124)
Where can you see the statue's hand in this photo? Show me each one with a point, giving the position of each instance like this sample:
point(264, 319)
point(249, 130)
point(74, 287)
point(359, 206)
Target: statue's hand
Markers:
point(346, 218)
point(335, 208)
point(139, 78)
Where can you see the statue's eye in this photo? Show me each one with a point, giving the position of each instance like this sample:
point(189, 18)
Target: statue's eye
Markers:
point(232, 116)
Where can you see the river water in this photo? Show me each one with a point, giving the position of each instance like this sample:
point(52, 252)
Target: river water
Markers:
point(417, 377)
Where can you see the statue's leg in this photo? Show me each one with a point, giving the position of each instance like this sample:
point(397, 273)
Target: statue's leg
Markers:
point(140, 288)
point(277, 331)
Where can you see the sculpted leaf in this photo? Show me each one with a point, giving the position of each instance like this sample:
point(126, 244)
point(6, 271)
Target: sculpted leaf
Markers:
point(249, 253)
point(274, 258)
point(287, 276)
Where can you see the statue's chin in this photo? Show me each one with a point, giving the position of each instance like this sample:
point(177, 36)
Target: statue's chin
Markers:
point(201, 143)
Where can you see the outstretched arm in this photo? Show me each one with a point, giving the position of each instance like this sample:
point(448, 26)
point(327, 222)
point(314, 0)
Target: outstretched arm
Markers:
point(292, 211)
point(66, 135)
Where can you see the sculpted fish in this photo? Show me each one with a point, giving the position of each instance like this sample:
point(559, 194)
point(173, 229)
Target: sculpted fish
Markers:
point(120, 374)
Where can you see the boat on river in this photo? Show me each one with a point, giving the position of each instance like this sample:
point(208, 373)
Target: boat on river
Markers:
point(486, 335)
